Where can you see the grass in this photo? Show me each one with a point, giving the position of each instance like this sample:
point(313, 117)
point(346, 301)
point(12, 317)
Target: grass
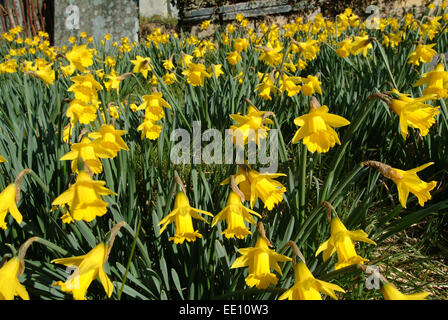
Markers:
point(410, 266)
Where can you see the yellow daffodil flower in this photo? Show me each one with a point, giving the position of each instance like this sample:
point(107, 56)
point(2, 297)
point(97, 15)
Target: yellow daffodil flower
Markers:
point(413, 112)
point(264, 186)
point(196, 74)
point(84, 198)
point(311, 84)
point(169, 78)
point(230, 28)
point(260, 259)
point(88, 267)
point(215, 69)
point(113, 82)
point(271, 54)
point(244, 23)
point(361, 44)
point(205, 24)
point(89, 152)
point(10, 66)
point(265, 88)
point(240, 44)
point(67, 133)
point(233, 58)
point(308, 49)
point(306, 287)
point(256, 185)
point(80, 57)
point(430, 27)
point(317, 129)
point(9, 282)
point(69, 69)
point(290, 85)
point(393, 39)
point(154, 81)
point(436, 82)
point(344, 48)
point(110, 61)
point(8, 204)
point(85, 87)
point(342, 242)
point(235, 213)
point(408, 181)
point(390, 292)
point(423, 53)
point(81, 111)
point(185, 60)
point(46, 73)
point(251, 127)
point(153, 105)
point(141, 65)
point(149, 129)
point(110, 139)
point(168, 64)
point(182, 215)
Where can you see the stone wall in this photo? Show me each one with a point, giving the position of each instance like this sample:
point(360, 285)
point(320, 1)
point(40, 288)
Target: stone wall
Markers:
point(120, 18)
point(149, 8)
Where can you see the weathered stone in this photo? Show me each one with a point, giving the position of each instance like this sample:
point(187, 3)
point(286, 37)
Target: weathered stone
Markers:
point(119, 18)
point(149, 8)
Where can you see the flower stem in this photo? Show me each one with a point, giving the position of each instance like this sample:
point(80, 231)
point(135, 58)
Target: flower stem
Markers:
point(386, 62)
point(284, 153)
point(302, 198)
point(356, 123)
point(337, 273)
point(130, 258)
point(38, 180)
point(27, 101)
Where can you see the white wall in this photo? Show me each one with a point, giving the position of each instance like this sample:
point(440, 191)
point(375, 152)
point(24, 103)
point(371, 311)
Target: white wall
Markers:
point(149, 8)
